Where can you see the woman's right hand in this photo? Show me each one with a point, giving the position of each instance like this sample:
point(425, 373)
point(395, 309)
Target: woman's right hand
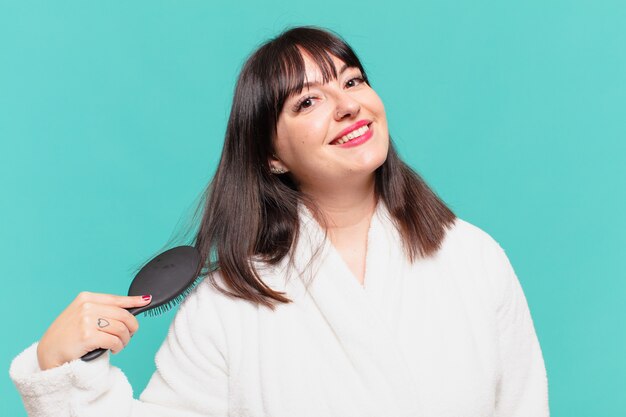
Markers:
point(90, 322)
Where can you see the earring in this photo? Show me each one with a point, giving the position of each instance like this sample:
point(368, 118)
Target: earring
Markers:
point(277, 170)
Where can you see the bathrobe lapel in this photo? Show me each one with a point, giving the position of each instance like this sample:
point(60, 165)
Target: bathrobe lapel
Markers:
point(363, 318)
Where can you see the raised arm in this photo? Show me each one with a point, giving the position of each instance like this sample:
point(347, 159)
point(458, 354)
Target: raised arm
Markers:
point(190, 380)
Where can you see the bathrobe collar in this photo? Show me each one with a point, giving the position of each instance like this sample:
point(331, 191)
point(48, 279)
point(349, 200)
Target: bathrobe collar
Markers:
point(364, 317)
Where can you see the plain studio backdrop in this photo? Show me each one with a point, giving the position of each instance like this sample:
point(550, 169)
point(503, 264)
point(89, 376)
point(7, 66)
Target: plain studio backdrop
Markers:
point(112, 116)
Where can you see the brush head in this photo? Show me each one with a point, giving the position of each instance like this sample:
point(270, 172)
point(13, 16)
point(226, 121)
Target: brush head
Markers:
point(168, 277)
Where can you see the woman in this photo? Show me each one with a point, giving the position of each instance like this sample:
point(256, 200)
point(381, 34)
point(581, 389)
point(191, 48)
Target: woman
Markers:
point(342, 286)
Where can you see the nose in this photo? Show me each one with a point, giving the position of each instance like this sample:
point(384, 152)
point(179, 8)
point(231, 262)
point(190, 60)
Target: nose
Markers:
point(347, 106)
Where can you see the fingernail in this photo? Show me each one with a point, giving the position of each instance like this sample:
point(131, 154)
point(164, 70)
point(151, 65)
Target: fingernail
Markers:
point(146, 297)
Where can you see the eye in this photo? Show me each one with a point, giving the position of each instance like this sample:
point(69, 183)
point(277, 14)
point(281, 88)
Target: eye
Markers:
point(303, 103)
point(353, 82)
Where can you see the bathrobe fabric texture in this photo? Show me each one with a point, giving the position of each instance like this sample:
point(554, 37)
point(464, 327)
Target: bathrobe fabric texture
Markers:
point(446, 336)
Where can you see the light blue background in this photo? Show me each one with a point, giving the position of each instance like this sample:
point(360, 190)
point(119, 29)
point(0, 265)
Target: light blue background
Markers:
point(112, 116)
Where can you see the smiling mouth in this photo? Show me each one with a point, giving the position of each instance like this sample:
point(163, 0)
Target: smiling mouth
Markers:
point(355, 134)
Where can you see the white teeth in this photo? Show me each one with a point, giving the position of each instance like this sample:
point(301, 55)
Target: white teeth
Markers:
point(354, 134)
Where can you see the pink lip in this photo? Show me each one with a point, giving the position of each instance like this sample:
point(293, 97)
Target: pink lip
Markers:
point(357, 141)
point(351, 128)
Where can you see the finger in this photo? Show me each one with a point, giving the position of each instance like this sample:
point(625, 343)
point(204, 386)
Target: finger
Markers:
point(108, 341)
point(116, 313)
point(123, 301)
point(114, 328)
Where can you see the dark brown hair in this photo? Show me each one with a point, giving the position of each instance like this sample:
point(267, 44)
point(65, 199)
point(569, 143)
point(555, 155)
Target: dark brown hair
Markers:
point(250, 213)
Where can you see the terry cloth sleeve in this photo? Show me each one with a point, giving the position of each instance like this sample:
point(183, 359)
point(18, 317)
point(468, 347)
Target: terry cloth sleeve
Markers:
point(190, 380)
point(522, 388)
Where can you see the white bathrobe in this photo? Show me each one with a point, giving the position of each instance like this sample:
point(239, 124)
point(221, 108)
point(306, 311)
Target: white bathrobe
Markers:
point(448, 336)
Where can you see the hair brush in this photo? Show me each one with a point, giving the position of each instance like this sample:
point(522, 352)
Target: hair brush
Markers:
point(169, 277)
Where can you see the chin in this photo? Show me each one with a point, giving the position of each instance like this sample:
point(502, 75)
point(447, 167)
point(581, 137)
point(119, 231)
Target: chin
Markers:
point(368, 167)
point(371, 161)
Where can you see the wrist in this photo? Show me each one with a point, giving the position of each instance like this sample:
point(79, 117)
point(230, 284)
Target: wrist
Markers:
point(45, 362)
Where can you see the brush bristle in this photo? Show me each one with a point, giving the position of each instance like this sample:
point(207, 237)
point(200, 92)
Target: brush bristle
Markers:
point(163, 308)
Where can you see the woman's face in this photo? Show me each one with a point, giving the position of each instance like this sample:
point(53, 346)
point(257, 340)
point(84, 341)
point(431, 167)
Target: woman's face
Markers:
point(331, 134)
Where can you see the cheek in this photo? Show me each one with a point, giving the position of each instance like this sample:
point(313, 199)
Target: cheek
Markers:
point(301, 137)
point(378, 106)
point(379, 111)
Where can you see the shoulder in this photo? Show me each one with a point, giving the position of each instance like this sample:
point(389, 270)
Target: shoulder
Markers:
point(463, 229)
point(473, 248)
point(211, 317)
point(209, 306)
point(479, 255)
point(211, 293)
point(465, 236)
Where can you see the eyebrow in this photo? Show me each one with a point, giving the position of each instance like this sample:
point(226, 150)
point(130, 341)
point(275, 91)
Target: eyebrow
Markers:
point(312, 83)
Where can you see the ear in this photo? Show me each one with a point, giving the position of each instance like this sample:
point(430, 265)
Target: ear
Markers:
point(276, 165)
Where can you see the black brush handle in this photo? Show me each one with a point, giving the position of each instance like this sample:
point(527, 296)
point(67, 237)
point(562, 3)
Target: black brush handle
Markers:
point(89, 356)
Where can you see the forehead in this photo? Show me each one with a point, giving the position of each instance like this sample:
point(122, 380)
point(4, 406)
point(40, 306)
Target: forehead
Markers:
point(313, 71)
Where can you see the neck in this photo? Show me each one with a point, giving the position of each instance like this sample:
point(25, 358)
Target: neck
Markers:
point(345, 208)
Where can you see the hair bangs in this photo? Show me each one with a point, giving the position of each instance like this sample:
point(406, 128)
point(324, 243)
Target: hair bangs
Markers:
point(290, 69)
